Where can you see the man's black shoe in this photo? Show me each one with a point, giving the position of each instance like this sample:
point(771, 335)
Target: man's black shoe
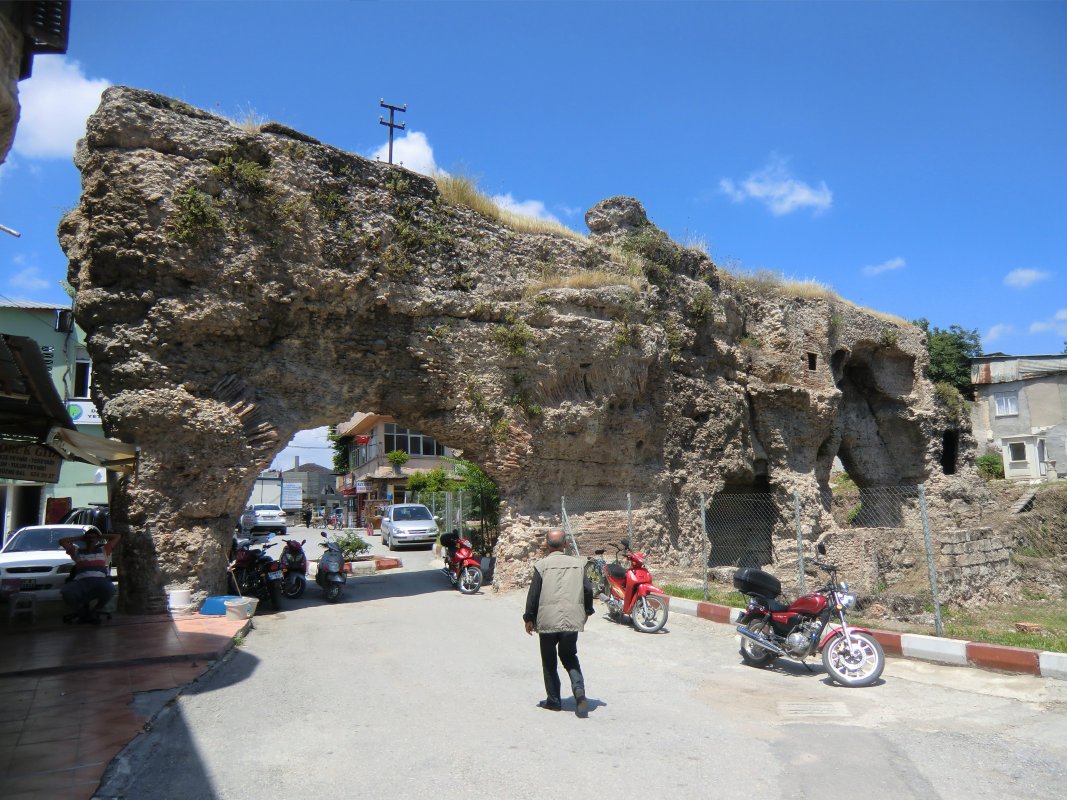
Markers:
point(582, 707)
point(547, 706)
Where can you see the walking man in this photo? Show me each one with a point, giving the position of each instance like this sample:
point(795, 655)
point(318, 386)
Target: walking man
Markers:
point(557, 605)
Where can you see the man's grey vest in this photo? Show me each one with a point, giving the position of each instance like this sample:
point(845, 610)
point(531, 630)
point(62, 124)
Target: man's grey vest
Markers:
point(562, 604)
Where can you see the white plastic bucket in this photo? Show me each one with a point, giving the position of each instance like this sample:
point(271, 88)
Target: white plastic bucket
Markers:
point(179, 598)
point(241, 608)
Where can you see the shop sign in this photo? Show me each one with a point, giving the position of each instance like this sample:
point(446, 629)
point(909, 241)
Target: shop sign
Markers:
point(30, 463)
point(362, 487)
point(83, 412)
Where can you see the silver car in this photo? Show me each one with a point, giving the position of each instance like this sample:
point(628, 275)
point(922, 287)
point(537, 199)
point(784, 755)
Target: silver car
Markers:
point(408, 523)
point(268, 517)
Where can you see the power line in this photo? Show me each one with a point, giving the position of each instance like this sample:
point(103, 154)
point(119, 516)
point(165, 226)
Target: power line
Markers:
point(390, 124)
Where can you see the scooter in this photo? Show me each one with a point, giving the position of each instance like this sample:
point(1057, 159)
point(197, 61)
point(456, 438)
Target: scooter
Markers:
point(294, 568)
point(628, 591)
point(330, 575)
point(461, 567)
point(810, 624)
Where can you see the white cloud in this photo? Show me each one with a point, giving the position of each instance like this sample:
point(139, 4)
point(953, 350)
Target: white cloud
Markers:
point(885, 266)
point(28, 277)
point(1057, 323)
point(412, 151)
point(525, 208)
point(1022, 278)
point(777, 189)
point(996, 332)
point(55, 102)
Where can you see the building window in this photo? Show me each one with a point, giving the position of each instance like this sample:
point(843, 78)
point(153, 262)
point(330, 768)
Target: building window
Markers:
point(813, 361)
point(83, 378)
point(412, 442)
point(1017, 451)
point(1007, 404)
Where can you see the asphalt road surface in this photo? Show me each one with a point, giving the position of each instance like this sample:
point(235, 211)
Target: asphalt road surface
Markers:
point(407, 689)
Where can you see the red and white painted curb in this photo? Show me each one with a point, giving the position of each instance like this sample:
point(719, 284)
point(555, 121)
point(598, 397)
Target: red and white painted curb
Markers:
point(1044, 664)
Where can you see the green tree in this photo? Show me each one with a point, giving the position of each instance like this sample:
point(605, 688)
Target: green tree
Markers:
point(434, 480)
point(951, 352)
point(340, 451)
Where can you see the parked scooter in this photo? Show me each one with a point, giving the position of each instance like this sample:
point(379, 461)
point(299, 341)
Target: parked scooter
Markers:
point(461, 567)
point(330, 575)
point(770, 629)
point(254, 571)
point(294, 568)
point(628, 591)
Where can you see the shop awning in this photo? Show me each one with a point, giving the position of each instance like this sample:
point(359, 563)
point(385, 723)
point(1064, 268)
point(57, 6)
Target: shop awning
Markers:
point(110, 453)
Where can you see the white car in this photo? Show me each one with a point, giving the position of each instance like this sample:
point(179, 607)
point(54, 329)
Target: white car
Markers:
point(268, 517)
point(408, 523)
point(33, 561)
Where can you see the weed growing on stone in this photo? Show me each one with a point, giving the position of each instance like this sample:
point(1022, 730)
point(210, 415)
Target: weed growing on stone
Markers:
point(514, 334)
point(246, 177)
point(196, 215)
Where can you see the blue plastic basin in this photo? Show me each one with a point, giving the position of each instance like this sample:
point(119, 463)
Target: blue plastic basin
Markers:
point(217, 605)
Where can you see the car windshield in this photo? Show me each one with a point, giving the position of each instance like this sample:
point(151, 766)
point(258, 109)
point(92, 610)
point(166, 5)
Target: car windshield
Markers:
point(39, 539)
point(408, 513)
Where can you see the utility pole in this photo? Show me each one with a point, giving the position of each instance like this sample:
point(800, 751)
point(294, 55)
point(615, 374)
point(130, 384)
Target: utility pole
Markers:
point(390, 124)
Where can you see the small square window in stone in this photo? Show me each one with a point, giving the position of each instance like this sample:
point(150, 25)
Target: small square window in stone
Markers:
point(813, 361)
point(1017, 451)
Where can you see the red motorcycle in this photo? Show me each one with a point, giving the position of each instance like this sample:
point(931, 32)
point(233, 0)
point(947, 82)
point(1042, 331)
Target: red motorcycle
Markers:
point(462, 568)
point(628, 591)
point(294, 568)
point(770, 630)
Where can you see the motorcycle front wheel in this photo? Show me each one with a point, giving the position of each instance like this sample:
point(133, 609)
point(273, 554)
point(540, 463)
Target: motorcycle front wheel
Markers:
point(855, 665)
point(470, 580)
point(751, 653)
point(293, 587)
point(595, 575)
point(333, 592)
point(649, 613)
point(274, 594)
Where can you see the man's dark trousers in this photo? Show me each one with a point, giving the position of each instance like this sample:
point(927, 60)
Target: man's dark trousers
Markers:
point(567, 645)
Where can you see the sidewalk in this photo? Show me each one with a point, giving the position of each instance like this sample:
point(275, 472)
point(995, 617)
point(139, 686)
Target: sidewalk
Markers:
point(938, 649)
point(68, 700)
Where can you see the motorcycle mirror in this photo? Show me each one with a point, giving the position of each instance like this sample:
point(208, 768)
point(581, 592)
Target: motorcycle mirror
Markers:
point(625, 542)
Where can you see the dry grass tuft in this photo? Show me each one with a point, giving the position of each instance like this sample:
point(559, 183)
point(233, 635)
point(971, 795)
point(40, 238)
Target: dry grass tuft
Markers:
point(462, 191)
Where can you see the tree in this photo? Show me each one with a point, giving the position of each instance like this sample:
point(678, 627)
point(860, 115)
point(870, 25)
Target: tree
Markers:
point(340, 450)
point(951, 352)
point(434, 480)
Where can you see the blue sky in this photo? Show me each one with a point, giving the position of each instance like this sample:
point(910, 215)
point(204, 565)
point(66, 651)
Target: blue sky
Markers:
point(910, 156)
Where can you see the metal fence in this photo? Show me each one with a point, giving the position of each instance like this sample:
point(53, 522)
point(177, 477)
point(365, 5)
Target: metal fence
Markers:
point(899, 550)
point(460, 511)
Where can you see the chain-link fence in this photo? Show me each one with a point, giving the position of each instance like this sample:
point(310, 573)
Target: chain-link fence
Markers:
point(460, 511)
point(902, 551)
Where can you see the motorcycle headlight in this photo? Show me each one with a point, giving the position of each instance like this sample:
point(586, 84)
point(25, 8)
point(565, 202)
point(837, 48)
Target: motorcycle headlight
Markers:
point(846, 600)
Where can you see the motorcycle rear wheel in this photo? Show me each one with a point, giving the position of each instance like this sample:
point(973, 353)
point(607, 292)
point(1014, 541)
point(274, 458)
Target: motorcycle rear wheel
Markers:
point(751, 653)
point(274, 594)
point(595, 575)
point(855, 666)
point(649, 613)
point(470, 580)
point(293, 587)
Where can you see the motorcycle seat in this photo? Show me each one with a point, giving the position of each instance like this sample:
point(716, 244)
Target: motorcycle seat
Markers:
point(617, 571)
point(775, 606)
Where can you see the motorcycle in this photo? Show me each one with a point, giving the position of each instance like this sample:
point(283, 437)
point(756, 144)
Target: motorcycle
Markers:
point(461, 567)
point(330, 575)
point(770, 629)
point(628, 591)
point(294, 568)
point(254, 571)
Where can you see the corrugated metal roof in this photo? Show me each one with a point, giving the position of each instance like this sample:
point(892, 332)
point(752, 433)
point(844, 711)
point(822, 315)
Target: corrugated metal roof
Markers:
point(1021, 368)
point(32, 305)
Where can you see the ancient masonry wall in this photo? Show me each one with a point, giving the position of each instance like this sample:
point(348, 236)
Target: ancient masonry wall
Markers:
point(974, 562)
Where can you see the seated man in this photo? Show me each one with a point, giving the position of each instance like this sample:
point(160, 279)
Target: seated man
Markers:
point(91, 576)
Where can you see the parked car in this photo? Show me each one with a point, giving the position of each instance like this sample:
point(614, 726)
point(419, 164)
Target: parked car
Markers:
point(33, 557)
point(408, 523)
point(97, 516)
point(268, 517)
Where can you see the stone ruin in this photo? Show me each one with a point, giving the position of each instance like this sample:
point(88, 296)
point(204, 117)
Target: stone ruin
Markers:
point(239, 286)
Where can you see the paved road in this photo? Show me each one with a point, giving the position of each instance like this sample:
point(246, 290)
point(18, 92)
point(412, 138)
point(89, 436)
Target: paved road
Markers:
point(407, 689)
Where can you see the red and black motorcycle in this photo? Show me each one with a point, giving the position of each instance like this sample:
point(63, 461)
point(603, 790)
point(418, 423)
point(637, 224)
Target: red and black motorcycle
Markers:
point(294, 565)
point(461, 566)
point(254, 571)
point(810, 624)
point(628, 591)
